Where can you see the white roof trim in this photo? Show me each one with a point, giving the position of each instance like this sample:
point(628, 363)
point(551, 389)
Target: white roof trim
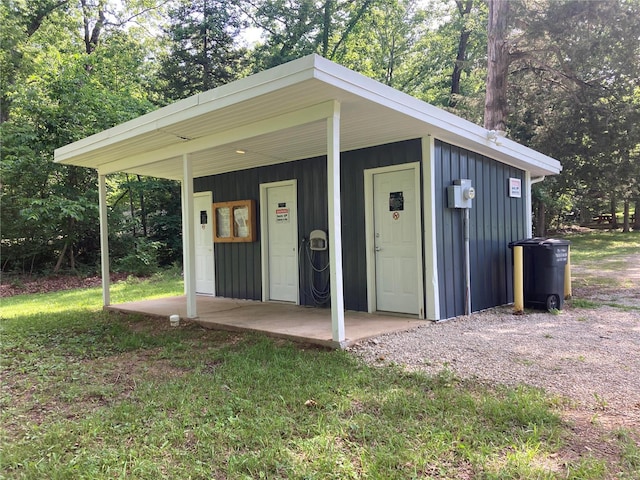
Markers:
point(159, 136)
point(193, 106)
point(448, 124)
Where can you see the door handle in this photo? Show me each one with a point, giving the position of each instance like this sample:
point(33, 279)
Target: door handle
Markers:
point(378, 249)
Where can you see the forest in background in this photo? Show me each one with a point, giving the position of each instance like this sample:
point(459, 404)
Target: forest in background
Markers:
point(72, 68)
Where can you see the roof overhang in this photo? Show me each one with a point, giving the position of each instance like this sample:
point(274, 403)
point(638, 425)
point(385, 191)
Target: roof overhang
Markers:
point(279, 115)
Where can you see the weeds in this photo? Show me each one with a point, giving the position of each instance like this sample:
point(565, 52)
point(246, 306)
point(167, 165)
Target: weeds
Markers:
point(583, 303)
point(629, 442)
point(601, 403)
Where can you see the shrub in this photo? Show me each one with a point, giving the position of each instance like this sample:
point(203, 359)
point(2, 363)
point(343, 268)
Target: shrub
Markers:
point(142, 260)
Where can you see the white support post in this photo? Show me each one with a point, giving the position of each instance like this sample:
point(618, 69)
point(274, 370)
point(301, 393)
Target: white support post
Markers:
point(335, 225)
point(104, 240)
point(188, 239)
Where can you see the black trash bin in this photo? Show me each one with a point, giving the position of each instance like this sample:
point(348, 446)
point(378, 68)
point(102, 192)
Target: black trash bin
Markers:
point(544, 261)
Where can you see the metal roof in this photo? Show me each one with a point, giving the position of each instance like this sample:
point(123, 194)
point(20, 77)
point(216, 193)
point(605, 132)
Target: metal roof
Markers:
point(278, 116)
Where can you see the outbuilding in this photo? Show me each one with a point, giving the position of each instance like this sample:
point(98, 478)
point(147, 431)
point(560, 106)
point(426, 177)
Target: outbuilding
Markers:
point(311, 184)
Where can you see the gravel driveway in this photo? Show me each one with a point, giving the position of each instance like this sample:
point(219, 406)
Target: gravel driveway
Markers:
point(588, 355)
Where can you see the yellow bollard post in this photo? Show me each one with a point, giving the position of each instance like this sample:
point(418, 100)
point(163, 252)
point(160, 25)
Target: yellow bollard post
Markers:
point(518, 281)
point(567, 276)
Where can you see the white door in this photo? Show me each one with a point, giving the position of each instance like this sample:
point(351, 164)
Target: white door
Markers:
point(203, 225)
point(282, 241)
point(395, 241)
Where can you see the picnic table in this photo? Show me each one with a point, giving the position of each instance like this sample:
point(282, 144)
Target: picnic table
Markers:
point(608, 218)
point(603, 218)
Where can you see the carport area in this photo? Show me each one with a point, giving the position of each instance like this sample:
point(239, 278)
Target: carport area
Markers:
point(282, 320)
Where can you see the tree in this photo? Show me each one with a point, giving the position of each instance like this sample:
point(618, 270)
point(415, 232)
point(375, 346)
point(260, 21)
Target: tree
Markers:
point(66, 93)
point(146, 221)
point(296, 28)
point(445, 64)
point(575, 73)
point(20, 21)
point(464, 9)
point(202, 49)
point(381, 45)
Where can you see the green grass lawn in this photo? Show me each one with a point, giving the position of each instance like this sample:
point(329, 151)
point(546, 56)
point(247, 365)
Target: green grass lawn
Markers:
point(86, 394)
point(598, 246)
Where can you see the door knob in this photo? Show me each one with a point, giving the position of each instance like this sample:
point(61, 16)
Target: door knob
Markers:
point(378, 249)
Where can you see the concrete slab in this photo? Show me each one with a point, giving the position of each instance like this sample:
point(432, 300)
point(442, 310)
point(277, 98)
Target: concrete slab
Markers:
point(283, 320)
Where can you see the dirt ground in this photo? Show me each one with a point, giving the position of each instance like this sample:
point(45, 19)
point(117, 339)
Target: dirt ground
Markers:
point(615, 280)
point(24, 284)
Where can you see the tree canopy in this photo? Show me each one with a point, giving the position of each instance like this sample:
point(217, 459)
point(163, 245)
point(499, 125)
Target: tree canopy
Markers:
point(569, 74)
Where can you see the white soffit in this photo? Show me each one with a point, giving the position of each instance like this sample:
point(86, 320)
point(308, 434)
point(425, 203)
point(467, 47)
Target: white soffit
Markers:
point(277, 116)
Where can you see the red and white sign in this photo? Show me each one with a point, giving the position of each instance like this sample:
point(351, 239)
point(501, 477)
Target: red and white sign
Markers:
point(515, 188)
point(282, 215)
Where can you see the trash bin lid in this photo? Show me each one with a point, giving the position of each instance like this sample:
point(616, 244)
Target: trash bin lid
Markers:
point(539, 242)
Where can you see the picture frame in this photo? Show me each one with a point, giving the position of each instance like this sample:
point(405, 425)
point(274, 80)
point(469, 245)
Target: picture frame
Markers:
point(234, 221)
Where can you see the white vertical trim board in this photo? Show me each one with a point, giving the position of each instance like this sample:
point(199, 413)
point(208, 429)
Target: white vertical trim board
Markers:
point(335, 225)
point(432, 290)
point(264, 234)
point(104, 240)
point(369, 232)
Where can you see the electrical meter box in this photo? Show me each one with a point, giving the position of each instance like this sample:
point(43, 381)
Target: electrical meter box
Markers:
point(460, 194)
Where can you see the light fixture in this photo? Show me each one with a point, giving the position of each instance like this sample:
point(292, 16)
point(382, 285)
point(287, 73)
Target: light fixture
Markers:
point(240, 151)
point(496, 136)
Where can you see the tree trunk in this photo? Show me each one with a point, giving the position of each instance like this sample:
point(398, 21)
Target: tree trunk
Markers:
point(541, 230)
point(207, 83)
point(143, 212)
point(612, 210)
point(495, 107)
point(352, 23)
point(72, 259)
point(92, 34)
point(464, 9)
point(33, 263)
point(625, 217)
point(391, 63)
point(326, 27)
point(636, 216)
point(56, 269)
point(131, 208)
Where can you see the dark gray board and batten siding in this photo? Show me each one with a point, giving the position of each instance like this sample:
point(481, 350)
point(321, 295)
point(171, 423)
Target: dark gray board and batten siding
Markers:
point(238, 265)
point(495, 220)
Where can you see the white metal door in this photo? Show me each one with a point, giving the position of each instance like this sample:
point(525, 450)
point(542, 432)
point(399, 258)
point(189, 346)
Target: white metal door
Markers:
point(395, 242)
point(203, 226)
point(282, 238)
